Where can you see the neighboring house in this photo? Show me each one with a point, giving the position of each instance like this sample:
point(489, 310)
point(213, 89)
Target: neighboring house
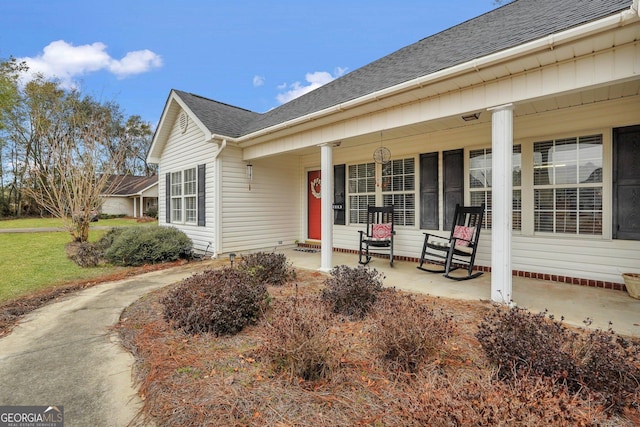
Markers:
point(129, 195)
point(532, 108)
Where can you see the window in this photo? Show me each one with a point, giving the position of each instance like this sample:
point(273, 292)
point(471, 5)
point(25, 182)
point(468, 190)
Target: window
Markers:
point(190, 196)
point(176, 197)
point(567, 181)
point(184, 199)
point(480, 179)
point(394, 185)
point(398, 189)
point(362, 187)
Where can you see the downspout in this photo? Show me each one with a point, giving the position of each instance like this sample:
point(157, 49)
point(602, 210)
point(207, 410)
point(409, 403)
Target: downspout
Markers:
point(218, 195)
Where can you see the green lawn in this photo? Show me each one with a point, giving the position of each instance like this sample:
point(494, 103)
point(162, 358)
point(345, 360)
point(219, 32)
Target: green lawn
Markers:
point(55, 222)
point(33, 261)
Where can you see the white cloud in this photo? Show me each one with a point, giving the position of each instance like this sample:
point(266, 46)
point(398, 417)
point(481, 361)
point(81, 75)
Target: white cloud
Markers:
point(314, 80)
point(66, 62)
point(136, 62)
point(258, 81)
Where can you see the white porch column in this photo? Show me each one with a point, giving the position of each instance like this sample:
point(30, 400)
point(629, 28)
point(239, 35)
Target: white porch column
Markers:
point(141, 205)
point(326, 195)
point(135, 207)
point(502, 202)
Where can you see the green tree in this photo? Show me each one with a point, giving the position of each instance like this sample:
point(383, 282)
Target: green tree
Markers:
point(9, 97)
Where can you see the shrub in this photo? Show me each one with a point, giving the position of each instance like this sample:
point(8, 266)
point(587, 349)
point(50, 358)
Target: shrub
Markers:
point(109, 237)
point(267, 267)
point(219, 301)
point(593, 361)
point(297, 339)
point(152, 212)
point(147, 245)
point(407, 333)
point(517, 340)
point(610, 365)
point(352, 291)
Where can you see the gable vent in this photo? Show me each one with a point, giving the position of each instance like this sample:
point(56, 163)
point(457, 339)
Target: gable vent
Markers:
point(183, 121)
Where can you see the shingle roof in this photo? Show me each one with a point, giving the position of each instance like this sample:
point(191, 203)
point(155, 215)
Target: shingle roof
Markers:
point(126, 185)
point(218, 117)
point(511, 25)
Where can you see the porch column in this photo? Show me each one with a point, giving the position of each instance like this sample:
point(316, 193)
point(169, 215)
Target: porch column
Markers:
point(135, 207)
point(141, 205)
point(502, 202)
point(326, 196)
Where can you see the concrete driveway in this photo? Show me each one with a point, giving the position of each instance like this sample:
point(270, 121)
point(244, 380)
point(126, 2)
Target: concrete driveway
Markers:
point(65, 354)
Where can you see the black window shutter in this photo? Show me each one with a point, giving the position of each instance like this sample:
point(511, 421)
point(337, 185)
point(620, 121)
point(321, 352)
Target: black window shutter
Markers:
point(339, 191)
point(429, 191)
point(626, 183)
point(453, 165)
point(167, 201)
point(201, 196)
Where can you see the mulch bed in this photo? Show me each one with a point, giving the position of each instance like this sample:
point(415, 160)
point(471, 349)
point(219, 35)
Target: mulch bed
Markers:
point(187, 380)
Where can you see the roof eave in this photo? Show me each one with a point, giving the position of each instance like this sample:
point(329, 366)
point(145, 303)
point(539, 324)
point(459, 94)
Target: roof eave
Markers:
point(169, 113)
point(622, 18)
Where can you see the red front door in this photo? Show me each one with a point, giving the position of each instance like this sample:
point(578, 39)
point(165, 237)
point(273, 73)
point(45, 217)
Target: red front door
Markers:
point(314, 205)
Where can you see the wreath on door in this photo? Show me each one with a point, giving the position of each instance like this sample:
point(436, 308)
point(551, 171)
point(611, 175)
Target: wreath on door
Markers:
point(315, 187)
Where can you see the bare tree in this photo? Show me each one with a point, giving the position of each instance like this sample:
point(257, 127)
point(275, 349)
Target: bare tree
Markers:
point(75, 164)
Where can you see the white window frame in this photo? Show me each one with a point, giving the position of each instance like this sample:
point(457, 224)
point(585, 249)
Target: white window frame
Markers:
point(366, 186)
point(483, 174)
point(361, 190)
point(576, 186)
point(399, 189)
point(184, 196)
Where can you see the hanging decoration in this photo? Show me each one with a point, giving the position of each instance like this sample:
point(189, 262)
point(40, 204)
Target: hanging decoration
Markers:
point(315, 187)
point(382, 155)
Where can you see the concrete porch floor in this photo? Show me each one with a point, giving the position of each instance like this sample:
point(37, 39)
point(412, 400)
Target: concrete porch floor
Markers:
point(575, 303)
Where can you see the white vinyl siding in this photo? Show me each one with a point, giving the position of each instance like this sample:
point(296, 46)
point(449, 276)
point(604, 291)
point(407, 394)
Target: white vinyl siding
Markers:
point(184, 151)
point(269, 214)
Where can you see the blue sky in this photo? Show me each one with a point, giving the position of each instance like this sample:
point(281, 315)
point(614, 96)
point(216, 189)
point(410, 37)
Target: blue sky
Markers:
point(251, 54)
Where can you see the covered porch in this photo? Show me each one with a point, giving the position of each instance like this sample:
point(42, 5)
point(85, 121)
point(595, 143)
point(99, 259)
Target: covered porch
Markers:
point(574, 303)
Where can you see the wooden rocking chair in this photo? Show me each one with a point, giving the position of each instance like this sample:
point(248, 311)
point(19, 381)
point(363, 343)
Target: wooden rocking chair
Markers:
point(378, 235)
point(459, 249)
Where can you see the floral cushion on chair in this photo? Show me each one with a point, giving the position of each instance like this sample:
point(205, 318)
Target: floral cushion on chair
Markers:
point(381, 231)
point(463, 234)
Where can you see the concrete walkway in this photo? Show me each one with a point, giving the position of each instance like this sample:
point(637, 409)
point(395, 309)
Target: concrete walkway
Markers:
point(65, 354)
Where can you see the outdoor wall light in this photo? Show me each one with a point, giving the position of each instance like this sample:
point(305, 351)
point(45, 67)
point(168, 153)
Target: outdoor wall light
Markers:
point(232, 257)
point(249, 174)
point(469, 117)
